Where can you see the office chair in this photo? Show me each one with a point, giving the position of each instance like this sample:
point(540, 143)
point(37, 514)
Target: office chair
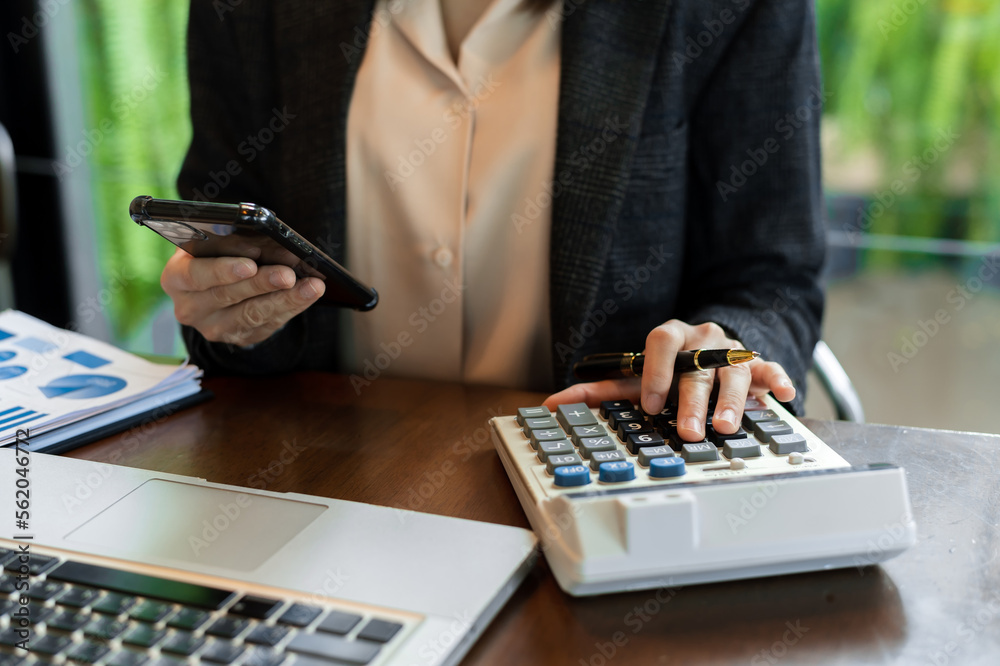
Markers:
point(8, 218)
point(838, 385)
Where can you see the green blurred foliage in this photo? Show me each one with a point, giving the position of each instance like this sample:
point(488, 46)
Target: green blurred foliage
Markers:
point(134, 76)
point(901, 73)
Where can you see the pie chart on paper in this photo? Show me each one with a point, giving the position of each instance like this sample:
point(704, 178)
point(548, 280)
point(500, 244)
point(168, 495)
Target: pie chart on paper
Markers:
point(82, 387)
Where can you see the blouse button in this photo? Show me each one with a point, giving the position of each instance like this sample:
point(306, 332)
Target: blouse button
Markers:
point(443, 257)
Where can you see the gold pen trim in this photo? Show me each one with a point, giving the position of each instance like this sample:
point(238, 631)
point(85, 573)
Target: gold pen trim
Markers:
point(696, 363)
point(626, 365)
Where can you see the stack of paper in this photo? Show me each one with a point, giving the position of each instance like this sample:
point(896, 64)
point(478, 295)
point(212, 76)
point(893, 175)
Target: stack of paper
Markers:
point(61, 389)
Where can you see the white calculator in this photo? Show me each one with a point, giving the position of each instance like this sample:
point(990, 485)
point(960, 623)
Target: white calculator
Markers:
point(621, 502)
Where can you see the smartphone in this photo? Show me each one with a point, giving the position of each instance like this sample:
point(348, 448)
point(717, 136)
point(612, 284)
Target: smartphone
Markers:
point(248, 230)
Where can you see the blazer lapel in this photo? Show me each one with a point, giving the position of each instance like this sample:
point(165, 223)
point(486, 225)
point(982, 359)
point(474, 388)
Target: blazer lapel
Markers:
point(609, 52)
point(316, 91)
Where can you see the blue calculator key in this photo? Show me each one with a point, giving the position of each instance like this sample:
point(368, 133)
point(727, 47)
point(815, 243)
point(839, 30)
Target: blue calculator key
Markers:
point(571, 475)
point(664, 468)
point(616, 472)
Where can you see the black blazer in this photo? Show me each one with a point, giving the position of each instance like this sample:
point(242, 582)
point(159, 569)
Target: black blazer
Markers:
point(686, 182)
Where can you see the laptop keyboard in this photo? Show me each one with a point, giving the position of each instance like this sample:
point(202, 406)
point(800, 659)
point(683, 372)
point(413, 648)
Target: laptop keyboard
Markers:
point(87, 614)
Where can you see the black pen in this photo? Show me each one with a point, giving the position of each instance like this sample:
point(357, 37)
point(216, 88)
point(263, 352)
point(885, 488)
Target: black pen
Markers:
point(615, 366)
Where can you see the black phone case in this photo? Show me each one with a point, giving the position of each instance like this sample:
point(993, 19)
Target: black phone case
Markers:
point(248, 230)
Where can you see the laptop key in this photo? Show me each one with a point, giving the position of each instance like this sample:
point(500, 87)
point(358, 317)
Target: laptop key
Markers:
point(105, 627)
point(39, 613)
point(114, 603)
point(88, 652)
point(228, 627)
point(189, 618)
point(258, 608)
point(379, 630)
point(183, 643)
point(12, 659)
point(262, 656)
point(69, 620)
point(151, 611)
point(167, 660)
point(144, 635)
point(186, 594)
point(51, 644)
point(300, 615)
point(334, 647)
point(127, 658)
point(44, 590)
point(221, 652)
point(8, 583)
point(10, 636)
point(338, 622)
point(266, 635)
point(79, 597)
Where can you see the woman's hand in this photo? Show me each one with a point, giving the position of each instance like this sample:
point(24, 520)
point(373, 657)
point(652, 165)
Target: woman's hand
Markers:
point(756, 377)
point(232, 300)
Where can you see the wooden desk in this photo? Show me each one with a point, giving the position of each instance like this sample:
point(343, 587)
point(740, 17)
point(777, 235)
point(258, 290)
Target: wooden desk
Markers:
point(426, 446)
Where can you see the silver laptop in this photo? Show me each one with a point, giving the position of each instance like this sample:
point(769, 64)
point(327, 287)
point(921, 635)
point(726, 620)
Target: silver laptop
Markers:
point(131, 567)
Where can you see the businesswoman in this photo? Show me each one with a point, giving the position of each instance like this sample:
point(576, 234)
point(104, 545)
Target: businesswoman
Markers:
point(523, 181)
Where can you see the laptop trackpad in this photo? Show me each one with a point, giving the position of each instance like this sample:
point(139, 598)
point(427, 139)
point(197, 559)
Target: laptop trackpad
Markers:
point(197, 524)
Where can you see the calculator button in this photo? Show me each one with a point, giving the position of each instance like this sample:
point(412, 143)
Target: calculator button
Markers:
point(637, 441)
point(754, 404)
point(649, 453)
point(579, 432)
point(791, 443)
point(591, 445)
point(741, 448)
point(676, 441)
point(616, 472)
point(617, 418)
point(665, 468)
point(560, 447)
point(719, 438)
point(606, 456)
point(531, 413)
point(577, 414)
point(754, 416)
point(543, 423)
point(699, 452)
point(609, 406)
point(555, 462)
point(632, 427)
point(766, 431)
point(572, 475)
point(552, 435)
